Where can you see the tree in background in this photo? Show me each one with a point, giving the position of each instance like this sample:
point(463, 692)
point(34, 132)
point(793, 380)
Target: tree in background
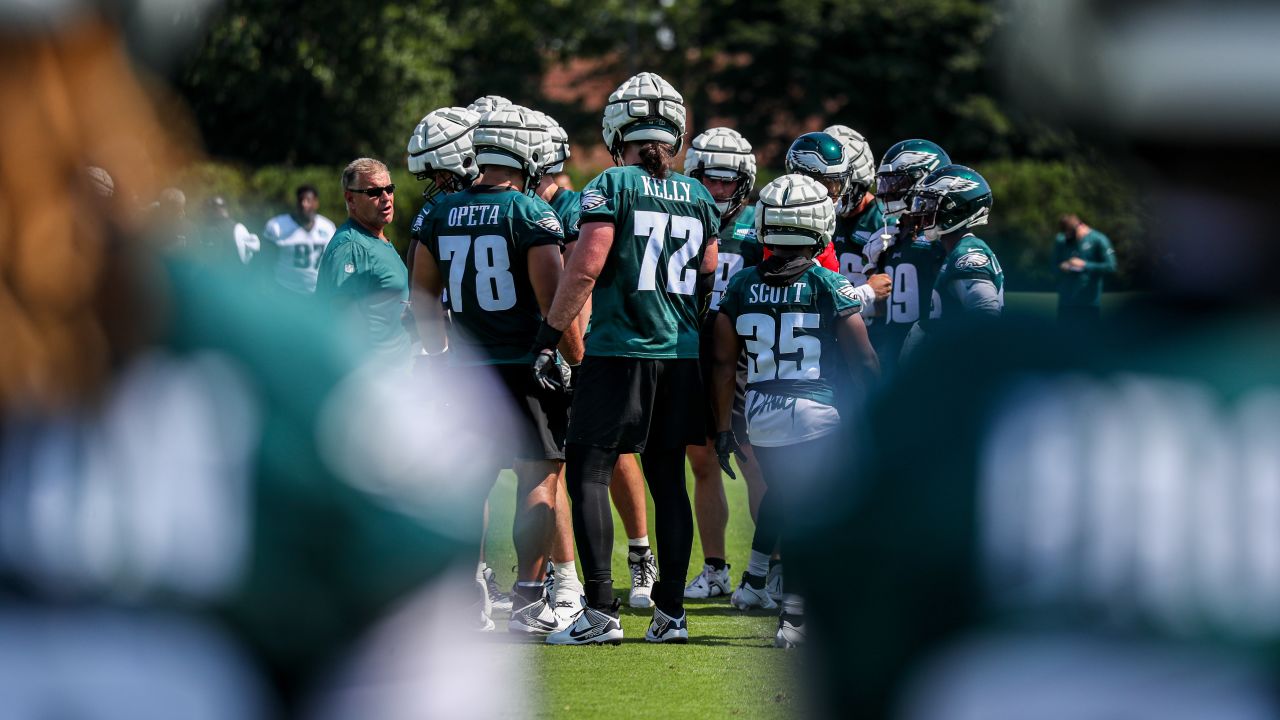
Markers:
point(318, 81)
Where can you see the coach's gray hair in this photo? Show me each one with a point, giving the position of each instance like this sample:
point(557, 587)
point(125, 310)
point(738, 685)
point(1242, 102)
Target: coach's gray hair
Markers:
point(361, 166)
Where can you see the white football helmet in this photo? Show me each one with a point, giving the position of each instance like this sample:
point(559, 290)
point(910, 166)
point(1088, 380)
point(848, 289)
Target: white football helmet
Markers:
point(795, 210)
point(484, 104)
point(514, 136)
point(723, 153)
point(442, 143)
point(645, 107)
point(862, 162)
point(559, 145)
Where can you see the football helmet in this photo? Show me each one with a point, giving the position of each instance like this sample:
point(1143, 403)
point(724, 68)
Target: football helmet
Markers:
point(516, 137)
point(824, 158)
point(559, 151)
point(795, 210)
point(861, 160)
point(949, 199)
point(645, 107)
point(441, 151)
point(484, 104)
point(723, 154)
point(902, 168)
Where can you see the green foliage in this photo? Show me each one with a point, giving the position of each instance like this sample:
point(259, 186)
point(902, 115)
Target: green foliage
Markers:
point(1031, 195)
point(319, 81)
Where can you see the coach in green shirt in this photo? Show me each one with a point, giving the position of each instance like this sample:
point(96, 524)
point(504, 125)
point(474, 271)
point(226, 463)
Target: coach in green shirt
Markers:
point(360, 274)
point(1081, 256)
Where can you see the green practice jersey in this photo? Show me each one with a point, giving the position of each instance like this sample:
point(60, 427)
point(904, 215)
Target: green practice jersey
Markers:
point(1083, 288)
point(789, 332)
point(645, 300)
point(481, 238)
point(970, 260)
point(737, 250)
point(852, 233)
point(363, 271)
point(568, 207)
point(913, 267)
point(1056, 524)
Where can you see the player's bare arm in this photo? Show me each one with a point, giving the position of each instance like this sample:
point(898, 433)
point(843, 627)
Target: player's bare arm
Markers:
point(579, 277)
point(855, 345)
point(545, 271)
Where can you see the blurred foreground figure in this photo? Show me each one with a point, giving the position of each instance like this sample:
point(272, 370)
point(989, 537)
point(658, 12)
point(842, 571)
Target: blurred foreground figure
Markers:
point(206, 504)
point(1085, 527)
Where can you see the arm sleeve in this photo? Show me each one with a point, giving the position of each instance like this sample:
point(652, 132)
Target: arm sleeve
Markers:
point(977, 296)
point(866, 296)
point(1107, 263)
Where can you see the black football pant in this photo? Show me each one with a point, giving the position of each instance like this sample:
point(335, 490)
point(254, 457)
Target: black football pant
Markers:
point(587, 474)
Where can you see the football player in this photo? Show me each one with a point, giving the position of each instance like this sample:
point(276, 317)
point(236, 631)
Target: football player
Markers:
point(643, 245)
point(497, 249)
point(723, 161)
point(912, 263)
point(821, 156)
point(442, 154)
point(942, 208)
point(293, 242)
point(792, 317)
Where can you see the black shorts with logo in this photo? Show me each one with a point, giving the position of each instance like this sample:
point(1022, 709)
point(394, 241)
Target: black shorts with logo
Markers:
point(631, 404)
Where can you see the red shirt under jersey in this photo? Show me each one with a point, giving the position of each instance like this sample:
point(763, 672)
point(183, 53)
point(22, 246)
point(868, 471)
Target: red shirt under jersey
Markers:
point(826, 258)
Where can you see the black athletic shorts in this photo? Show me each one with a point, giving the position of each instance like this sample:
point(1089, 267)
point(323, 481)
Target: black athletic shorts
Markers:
point(527, 422)
point(631, 404)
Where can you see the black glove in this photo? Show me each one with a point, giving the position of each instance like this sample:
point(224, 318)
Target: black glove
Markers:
point(546, 371)
point(726, 445)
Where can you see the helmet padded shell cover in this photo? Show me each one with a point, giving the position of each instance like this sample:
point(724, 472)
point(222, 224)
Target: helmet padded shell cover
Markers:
point(513, 136)
point(645, 107)
point(795, 210)
point(442, 141)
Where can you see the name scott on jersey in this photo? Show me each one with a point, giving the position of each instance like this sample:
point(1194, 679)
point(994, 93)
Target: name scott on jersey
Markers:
point(760, 293)
point(472, 215)
point(667, 190)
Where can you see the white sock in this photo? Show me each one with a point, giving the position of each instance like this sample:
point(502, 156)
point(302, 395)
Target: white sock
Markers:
point(792, 604)
point(642, 541)
point(566, 578)
point(480, 568)
point(758, 564)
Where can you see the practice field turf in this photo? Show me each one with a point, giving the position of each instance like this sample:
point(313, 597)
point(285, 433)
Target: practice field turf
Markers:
point(729, 667)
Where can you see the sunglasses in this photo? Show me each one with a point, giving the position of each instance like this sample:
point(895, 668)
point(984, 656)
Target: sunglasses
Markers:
point(374, 192)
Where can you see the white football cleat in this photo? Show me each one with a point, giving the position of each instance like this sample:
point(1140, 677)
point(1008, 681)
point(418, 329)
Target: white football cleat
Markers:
point(644, 571)
point(498, 600)
point(773, 582)
point(590, 627)
point(537, 618)
point(749, 598)
point(709, 583)
point(666, 629)
point(790, 631)
point(480, 610)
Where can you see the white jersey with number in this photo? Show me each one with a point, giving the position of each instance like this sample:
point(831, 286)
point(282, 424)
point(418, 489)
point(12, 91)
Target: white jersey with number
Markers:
point(298, 250)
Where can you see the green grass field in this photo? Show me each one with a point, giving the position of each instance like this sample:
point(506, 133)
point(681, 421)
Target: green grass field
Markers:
point(729, 667)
